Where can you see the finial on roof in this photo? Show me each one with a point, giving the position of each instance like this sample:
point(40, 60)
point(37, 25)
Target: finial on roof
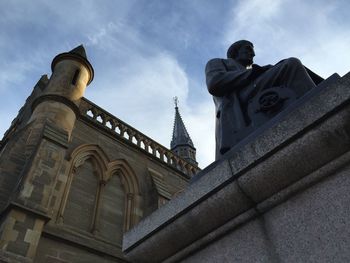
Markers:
point(176, 101)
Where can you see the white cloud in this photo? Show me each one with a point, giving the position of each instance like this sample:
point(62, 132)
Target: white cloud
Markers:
point(141, 93)
point(14, 71)
point(143, 99)
point(137, 84)
point(135, 79)
point(200, 123)
point(297, 28)
point(137, 51)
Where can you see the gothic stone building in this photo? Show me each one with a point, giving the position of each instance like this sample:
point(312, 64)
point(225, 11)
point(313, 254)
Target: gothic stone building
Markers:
point(73, 177)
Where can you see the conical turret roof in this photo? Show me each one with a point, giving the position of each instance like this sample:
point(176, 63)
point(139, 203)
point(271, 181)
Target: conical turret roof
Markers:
point(79, 50)
point(77, 54)
point(180, 134)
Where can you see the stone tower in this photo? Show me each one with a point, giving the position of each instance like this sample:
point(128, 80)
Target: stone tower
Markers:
point(73, 177)
point(181, 142)
point(71, 73)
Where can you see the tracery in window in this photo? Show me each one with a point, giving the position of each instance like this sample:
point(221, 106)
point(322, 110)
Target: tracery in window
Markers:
point(101, 197)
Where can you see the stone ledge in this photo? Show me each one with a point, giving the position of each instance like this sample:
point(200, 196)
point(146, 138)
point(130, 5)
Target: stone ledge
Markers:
point(256, 212)
point(28, 210)
point(83, 240)
point(56, 135)
point(248, 176)
point(8, 257)
point(280, 170)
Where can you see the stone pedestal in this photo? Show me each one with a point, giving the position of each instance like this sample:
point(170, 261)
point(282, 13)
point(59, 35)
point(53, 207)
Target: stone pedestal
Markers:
point(280, 196)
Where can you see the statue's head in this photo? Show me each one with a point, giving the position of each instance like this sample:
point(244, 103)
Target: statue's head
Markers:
point(242, 51)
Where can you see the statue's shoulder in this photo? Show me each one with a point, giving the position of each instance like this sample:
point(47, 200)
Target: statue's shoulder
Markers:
point(213, 60)
point(221, 64)
point(215, 63)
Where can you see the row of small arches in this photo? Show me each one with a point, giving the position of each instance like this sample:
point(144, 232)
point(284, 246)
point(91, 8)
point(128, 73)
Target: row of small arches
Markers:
point(158, 151)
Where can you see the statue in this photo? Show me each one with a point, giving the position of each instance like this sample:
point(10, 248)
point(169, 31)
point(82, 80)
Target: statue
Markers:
point(247, 95)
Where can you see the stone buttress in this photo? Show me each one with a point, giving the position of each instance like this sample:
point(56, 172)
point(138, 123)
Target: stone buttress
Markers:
point(33, 151)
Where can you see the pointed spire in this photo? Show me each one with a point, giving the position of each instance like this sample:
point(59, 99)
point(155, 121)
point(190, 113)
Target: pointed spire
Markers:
point(180, 134)
point(79, 50)
point(181, 142)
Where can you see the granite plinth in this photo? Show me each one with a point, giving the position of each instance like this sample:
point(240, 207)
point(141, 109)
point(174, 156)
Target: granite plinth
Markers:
point(277, 189)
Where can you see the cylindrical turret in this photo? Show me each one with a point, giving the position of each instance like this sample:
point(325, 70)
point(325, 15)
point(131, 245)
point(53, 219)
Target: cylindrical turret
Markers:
point(71, 73)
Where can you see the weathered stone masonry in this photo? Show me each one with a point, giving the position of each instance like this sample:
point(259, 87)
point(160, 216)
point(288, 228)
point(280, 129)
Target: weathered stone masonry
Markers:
point(74, 178)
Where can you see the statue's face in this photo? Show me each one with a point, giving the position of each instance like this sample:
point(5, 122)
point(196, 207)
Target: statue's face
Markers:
point(245, 55)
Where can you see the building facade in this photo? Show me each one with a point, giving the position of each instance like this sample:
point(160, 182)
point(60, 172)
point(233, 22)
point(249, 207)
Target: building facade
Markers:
point(74, 178)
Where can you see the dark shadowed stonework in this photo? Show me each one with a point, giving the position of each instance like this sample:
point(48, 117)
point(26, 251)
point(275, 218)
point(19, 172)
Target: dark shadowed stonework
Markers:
point(74, 178)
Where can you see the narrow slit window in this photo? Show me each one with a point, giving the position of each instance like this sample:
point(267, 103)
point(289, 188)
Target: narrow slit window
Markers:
point(75, 77)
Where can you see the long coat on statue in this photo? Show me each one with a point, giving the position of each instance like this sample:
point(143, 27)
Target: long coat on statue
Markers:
point(233, 87)
point(225, 77)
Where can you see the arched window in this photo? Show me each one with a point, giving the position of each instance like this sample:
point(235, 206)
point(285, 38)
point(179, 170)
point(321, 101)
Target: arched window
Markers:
point(81, 201)
point(112, 209)
point(132, 198)
point(101, 197)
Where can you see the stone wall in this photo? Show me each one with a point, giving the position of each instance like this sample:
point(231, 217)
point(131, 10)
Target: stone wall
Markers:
point(98, 171)
point(72, 183)
point(310, 226)
point(71, 200)
point(56, 251)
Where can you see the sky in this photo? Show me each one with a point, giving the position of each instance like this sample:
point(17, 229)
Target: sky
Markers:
point(145, 52)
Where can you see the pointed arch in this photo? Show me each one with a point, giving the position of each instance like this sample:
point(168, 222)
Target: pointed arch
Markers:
point(81, 154)
point(133, 209)
point(117, 204)
point(121, 165)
